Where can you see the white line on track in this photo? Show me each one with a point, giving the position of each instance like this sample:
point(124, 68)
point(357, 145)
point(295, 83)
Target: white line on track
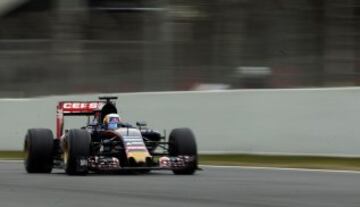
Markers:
point(250, 168)
point(10, 161)
point(283, 169)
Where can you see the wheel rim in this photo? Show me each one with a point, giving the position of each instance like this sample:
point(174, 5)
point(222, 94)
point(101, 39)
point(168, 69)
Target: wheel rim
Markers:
point(66, 154)
point(26, 153)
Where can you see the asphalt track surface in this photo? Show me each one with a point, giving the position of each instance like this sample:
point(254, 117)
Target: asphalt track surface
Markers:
point(214, 186)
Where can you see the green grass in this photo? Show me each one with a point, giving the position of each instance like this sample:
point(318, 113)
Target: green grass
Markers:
point(11, 155)
point(311, 162)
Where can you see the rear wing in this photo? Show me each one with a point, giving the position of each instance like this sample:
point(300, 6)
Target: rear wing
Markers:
point(75, 108)
point(79, 108)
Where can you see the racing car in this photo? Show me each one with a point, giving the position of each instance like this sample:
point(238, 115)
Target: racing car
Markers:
point(106, 143)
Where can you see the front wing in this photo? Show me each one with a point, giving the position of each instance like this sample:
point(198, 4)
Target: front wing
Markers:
point(98, 163)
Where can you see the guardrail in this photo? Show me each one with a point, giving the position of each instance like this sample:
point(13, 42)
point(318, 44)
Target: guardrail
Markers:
point(294, 121)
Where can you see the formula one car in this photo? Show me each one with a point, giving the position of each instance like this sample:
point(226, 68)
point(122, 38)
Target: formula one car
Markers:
point(107, 144)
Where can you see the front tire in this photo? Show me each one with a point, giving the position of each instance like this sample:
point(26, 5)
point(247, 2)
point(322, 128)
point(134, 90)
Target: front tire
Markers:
point(38, 148)
point(76, 147)
point(182, 143)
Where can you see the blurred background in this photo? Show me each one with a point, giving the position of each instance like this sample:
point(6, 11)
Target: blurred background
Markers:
point(85, 46)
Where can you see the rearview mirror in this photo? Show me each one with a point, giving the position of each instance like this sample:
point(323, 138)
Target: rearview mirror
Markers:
point(141, 123)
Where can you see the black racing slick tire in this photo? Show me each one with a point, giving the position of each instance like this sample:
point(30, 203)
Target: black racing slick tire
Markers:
point(182, 143)
point(76, 149)
point(38, 148)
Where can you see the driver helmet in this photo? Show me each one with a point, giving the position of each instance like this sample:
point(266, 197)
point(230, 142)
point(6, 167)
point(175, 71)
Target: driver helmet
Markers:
point(112, 121)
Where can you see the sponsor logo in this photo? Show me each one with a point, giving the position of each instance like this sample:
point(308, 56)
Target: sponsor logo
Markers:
point(81, 105)
point(83, 162)
point(136, 148)
point(164, 162)
point(133, 140)
point(134, 143)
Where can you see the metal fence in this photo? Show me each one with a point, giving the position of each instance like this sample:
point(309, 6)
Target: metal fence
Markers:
point(78, 46)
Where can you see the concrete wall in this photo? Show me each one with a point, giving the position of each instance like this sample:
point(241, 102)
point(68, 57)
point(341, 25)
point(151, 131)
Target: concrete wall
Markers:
point(303, 121)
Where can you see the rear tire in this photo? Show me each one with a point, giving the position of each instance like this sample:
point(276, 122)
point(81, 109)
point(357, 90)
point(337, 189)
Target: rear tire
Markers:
point(76, 147)
point(182, 142)
point(38, 148)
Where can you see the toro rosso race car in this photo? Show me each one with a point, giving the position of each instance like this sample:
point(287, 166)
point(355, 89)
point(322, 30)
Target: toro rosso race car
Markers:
point(106, 143)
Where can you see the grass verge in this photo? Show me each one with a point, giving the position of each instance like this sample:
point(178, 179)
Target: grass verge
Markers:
point(11, 155)
point(311, 162)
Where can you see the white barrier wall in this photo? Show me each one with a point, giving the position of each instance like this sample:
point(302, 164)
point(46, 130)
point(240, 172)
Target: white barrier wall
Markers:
point(303, 121)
